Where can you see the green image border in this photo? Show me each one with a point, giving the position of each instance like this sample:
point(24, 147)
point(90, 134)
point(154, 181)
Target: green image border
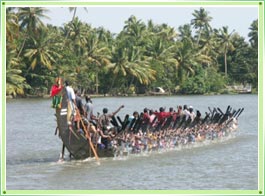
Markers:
point(260, 190)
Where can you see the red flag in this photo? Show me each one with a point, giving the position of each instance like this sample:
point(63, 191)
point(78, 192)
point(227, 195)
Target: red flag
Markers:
point(55, 90)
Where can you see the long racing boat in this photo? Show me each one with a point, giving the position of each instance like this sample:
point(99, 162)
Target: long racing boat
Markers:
point(140, 137)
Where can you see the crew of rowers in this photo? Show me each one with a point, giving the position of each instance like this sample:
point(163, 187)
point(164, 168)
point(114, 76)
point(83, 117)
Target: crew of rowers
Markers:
point(150, 129)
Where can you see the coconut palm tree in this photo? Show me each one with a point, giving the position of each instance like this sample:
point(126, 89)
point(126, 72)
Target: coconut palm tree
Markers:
point(15, 82)
point(188, 57)
point(30, 21)
point(130, 64)
point(224, 38)
point(12, 28)
point(73, 9)
point(30, 18)
point(77, 35)
point(253, 34)
point(185, 32)
point(42, 50)
point(201, 21)
point(97, 55)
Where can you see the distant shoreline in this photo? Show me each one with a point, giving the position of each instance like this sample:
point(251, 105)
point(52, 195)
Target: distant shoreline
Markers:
point(129, 95)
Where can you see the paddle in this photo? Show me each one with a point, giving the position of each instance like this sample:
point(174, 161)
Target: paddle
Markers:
point(115, 121)
point(119, 119)
point(124, 125)
point(89, 140)
point(205, 118)
point(88, 136)
point(237, 112)
point(240, 113)
point(220, 111)
point(125, 122)
point(214, 110)
point(176, 121)
point(167, 122)
point(228, 109)
point(210, 110)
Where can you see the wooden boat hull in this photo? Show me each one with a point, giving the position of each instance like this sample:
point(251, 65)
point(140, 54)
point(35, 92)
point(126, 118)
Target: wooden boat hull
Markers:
point(75, 142)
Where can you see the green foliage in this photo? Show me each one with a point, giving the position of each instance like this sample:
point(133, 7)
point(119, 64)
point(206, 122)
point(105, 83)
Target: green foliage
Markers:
point(142, 56)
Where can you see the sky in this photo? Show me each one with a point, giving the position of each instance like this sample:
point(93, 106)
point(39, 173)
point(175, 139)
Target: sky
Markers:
point(112, 18)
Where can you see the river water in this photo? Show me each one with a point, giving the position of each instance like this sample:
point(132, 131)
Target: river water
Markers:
point(33, 150)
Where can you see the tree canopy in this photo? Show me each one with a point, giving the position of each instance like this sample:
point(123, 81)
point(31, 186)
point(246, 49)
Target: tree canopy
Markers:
point(192, 59)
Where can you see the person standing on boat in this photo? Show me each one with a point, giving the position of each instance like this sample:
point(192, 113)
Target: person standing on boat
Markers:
point(55, 93)
point(79, 103)
point(79, 110)
point(88, 108)
point(71, 102)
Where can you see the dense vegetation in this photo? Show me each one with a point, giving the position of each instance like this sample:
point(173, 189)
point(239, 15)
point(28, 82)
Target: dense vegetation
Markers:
point(193, 59)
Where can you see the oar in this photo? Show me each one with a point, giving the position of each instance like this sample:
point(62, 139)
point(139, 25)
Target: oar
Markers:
point(237, 112)
point(167, 122)
point(124, 125)
point(89, 140)
point(210, 110)
point(214, 110)
point(119, 119)
point(220, 111)
point(240, 113)
point(176, 121)
point(115, 121)
point(205, 118)
point(228, 108)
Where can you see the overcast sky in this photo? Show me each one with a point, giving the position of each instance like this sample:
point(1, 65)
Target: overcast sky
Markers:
point(112, 18)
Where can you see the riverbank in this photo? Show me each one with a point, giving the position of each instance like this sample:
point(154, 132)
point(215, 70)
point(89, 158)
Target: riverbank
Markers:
point(128, 95)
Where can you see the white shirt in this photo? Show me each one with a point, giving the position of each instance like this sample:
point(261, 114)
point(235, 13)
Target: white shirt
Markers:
point(70, 93)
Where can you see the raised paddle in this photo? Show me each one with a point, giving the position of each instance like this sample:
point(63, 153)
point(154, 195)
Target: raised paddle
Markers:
point(240, 113)
point(210, 110)
point(220, 111)
point(89, 140)
point(119, 119)
point(237, 112)
point(115, 121)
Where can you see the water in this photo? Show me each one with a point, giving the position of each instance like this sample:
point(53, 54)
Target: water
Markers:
point(33, 150)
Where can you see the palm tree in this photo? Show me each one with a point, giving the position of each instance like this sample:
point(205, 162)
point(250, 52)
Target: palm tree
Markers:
point(77, 35)
point(129, 63)
point(133, 33)
point(201, 21)
point(253, 34)
point(161, 53)
point(225, 40)
point(12, 28)
point(188, 58)
point(30, 18)
point(97, 55)
point(73, 9)
point(15, 82)
point(185, 32)
point(30, 21)
point(42, 50)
